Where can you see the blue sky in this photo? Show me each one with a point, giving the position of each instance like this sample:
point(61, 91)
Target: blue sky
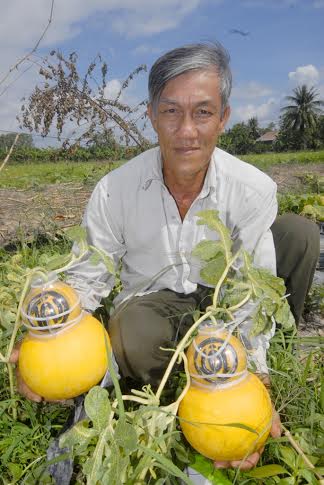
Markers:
point(283, 47)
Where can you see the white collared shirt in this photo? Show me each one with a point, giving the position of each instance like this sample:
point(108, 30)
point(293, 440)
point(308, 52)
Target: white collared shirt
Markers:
point(132, 217)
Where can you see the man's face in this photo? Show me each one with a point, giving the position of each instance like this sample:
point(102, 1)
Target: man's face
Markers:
point(188, 120)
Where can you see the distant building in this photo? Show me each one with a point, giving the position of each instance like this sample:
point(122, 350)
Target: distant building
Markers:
point(269, 137)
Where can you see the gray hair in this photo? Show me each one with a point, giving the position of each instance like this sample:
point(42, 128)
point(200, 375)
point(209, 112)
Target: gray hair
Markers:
point(186, 58)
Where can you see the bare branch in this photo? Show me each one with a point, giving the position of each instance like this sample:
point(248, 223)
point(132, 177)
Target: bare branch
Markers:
point(67, 96)
point(34, 48)
point(9, 153)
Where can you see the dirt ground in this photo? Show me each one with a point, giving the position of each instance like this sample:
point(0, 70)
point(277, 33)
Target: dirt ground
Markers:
point(25, 212)
point(45, 209)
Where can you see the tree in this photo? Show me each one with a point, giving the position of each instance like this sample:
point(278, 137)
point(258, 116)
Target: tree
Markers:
point(320, 131)
point(67, 98)
point(237, 140)
point(254, 129)
point(24, 140)
point(301, 117)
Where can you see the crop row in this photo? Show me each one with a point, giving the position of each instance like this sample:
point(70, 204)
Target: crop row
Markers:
point(81, 154)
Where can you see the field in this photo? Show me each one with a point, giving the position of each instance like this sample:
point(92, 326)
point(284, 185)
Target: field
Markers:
point(38, 202)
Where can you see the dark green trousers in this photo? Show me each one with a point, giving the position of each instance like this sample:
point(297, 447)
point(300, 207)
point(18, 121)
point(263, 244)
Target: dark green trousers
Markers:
point(142, 327)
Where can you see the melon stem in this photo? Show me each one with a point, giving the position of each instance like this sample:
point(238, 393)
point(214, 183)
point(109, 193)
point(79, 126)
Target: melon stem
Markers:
point(222, 278)
point(12, 390)
point(17, 324)
point(179, 349)
point(241, 303)
point(209, 314)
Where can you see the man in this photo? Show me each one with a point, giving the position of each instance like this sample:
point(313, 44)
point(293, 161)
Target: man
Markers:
point(144, 214)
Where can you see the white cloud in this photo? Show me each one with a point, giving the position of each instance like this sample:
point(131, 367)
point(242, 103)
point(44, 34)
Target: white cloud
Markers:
point(320, 90)
point(251, 90)
point(146, 49)
point(22, 22)
point(112, 89)
point(282, 3)
point(319, 4)
point(269, 3)
point(305, 75)
point(265, 112)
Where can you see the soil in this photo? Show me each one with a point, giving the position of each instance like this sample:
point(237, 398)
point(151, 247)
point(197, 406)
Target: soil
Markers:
point(293, 177)
point(46, 209)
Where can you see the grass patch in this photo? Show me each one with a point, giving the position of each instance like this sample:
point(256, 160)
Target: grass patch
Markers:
point(30, 175)
point(36, 174)
point(266, 160)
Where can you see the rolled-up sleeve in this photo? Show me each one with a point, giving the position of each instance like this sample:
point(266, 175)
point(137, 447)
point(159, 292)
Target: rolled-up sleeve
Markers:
point(93, 281)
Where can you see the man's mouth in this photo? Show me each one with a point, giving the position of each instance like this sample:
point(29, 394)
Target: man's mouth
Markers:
point(186, 149)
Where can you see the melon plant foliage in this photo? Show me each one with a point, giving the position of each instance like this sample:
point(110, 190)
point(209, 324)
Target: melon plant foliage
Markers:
point(134, 439)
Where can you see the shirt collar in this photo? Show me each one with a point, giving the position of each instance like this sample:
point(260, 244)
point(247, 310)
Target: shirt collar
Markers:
point(157, 174)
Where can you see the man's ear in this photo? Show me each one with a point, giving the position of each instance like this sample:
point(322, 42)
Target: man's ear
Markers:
point(150, 114)
point(225, 117)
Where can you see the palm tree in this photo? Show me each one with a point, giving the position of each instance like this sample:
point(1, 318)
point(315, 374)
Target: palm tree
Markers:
point(302, 115)
point(253, 126)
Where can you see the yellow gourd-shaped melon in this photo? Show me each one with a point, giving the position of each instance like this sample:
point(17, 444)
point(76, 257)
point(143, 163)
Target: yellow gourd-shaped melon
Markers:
point(215, 356)
point(65, 364)
point(203, 411)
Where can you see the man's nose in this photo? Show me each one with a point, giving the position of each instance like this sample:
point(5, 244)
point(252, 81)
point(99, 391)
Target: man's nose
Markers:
point(187, 126)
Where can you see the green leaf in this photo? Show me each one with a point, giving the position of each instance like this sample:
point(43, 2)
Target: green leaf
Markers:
point(259, 321)
point(77, 234)
point(97, 406)
point(93, 466)
point(108, 262)
point(114, 378)
point(205, 467)
point(80, 434)
point(125, 436)
point(322, 395)
point(288, 456)
point(267, 471)
point(15, 470)
point(207, 250)
point(7, 319)
point(309, 476)
point(212, 221)
point(284, 316)
point(98, 256)
point(266, 284)
point(213, 270)
point(57, 261)
point(114, 465)
point(181, 451)
point(95, 259)
point(165, 464)
point(13, 277)
point(287, 481)
point(234, 295)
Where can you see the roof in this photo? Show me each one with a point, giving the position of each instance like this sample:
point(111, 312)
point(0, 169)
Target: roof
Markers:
point(268, 136)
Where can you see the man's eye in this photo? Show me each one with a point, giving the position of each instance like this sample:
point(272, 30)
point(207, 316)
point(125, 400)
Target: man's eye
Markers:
point(169, 111)
point(204, 112)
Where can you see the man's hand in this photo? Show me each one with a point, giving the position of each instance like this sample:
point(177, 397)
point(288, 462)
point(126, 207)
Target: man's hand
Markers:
point(252, 460)
point(22, 387)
